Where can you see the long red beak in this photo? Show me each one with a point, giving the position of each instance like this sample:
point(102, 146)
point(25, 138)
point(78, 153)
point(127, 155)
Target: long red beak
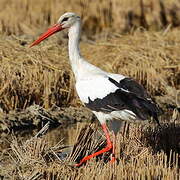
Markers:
point(49, 32)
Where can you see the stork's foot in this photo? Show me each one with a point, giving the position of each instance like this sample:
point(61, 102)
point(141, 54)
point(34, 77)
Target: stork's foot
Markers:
point(109, 147)
point(106, 149)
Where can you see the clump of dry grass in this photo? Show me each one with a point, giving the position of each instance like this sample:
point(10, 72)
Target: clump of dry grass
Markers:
point(35, 159)
point(33, 76)
point(26, 17)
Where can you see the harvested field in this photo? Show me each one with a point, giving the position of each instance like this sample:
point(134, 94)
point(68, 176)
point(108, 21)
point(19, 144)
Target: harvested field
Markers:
point(28, 17)
point(142, 153)
point(37, 89)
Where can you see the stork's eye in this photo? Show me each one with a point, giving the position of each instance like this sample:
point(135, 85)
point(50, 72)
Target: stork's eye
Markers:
point(64, 19)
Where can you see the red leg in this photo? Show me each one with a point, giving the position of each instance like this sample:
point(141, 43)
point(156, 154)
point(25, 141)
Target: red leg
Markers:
point(106, 149)
point(113, 155)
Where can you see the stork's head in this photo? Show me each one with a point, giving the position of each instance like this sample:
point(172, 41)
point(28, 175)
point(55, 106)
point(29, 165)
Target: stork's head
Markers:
point(65, 21)
point(68, 19)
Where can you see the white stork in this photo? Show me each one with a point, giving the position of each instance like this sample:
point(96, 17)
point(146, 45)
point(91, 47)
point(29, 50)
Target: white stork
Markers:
point(109, 96)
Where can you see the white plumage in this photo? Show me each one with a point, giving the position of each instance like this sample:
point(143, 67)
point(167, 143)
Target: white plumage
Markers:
point(109, 96)
point(95, 86)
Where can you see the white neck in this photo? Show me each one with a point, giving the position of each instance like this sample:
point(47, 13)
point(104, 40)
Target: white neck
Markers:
point(73, 45)
point(80, 67)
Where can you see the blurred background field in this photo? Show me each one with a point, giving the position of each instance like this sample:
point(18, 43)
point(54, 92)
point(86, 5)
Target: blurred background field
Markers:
point(26, 17)
point(137, 38)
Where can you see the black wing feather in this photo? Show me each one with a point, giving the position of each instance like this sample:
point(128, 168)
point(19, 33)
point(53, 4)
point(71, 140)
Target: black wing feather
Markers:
point(137, 99)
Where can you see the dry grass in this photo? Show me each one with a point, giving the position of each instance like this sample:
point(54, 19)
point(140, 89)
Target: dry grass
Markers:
point(42, 74)
point(36, 159)
point(33, 76)
point(26, 17)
